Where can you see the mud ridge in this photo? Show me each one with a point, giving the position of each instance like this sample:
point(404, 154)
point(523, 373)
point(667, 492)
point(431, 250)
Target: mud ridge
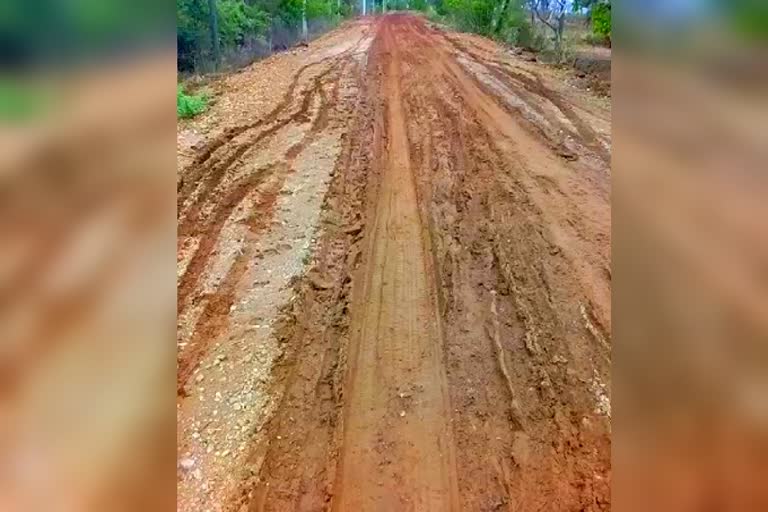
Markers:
point(193, 174)
point(296, 466)
point(505, 72)
point(188, 227)
point(217, 307)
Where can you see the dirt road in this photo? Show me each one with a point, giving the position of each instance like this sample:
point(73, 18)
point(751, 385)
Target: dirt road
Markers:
point(394, 281)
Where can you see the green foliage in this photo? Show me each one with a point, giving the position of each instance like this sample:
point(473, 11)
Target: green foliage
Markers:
point(238, 20)
point(601, 19)
point(471, 15)
point(21, 102)
point(505, 20)
point(189, 106)
point(244, 25)
point(419, 5)
point(64, 32)
point(749, 18)
point(320, 9)
point(289, 11)
point(515, 29)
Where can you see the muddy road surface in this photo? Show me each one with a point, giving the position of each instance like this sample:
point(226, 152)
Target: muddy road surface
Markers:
point(394, 281)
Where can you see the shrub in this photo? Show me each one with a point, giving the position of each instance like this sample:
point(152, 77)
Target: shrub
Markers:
point(189, 106)
point(593, 39)
point(22, 102)
point(601, 20)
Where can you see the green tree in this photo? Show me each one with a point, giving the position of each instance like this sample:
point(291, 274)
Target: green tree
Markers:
point(214, 22)
point(211, 30)
point(601, 20)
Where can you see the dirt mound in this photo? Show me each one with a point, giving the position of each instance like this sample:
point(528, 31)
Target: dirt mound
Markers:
point(594, 72)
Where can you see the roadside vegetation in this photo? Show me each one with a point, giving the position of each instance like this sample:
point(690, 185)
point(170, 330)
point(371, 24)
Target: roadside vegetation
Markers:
point(189, 105)
point(228, 34)
point(536, 25)
point(214, 35)
point(224, 35)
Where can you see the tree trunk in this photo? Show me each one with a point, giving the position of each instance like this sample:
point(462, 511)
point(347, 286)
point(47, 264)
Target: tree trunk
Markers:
point(502, 16)
point(304, 29)
point(364, 13)
point(214, 33)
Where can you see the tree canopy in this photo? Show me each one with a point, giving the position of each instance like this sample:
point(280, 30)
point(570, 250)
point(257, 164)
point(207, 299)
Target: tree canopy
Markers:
point(246, 28)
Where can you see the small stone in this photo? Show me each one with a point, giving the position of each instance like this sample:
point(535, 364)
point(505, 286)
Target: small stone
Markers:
point(402, 413)
point(187, 463)
point(199, 377)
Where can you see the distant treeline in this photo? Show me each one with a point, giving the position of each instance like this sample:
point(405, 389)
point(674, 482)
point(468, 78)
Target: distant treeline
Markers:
point(212, 34)
point(230, 33)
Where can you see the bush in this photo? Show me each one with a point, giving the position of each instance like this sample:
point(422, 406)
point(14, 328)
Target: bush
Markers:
point(516, 30)
point(593, 39)
point(601, 20)
point(471, 15)
point(21, 102)
point(189, 106)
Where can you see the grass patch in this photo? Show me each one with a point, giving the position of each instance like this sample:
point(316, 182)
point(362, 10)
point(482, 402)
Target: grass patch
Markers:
point(188, 106)
point(21, 102)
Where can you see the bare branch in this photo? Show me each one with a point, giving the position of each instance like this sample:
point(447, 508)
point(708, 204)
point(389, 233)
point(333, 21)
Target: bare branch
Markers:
point(535, 6)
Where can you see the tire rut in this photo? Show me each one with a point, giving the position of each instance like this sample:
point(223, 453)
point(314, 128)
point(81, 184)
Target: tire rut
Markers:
point(397, 450)
point(506, 72)
point(214, 315)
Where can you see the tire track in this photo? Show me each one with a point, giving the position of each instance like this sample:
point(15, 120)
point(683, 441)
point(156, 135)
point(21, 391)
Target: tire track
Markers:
point(189, 280)
point(504, 72)
point(213, 318)
point(397, 451)
point(512, 290)
point(296, 467)
point(218, 172)
point(217, 308)
point(201, 165)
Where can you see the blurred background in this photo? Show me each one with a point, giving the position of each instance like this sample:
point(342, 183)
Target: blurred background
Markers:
point(690, 228)
point(87, 245)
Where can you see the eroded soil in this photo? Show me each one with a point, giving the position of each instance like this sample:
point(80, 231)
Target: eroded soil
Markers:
point(394, 284)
